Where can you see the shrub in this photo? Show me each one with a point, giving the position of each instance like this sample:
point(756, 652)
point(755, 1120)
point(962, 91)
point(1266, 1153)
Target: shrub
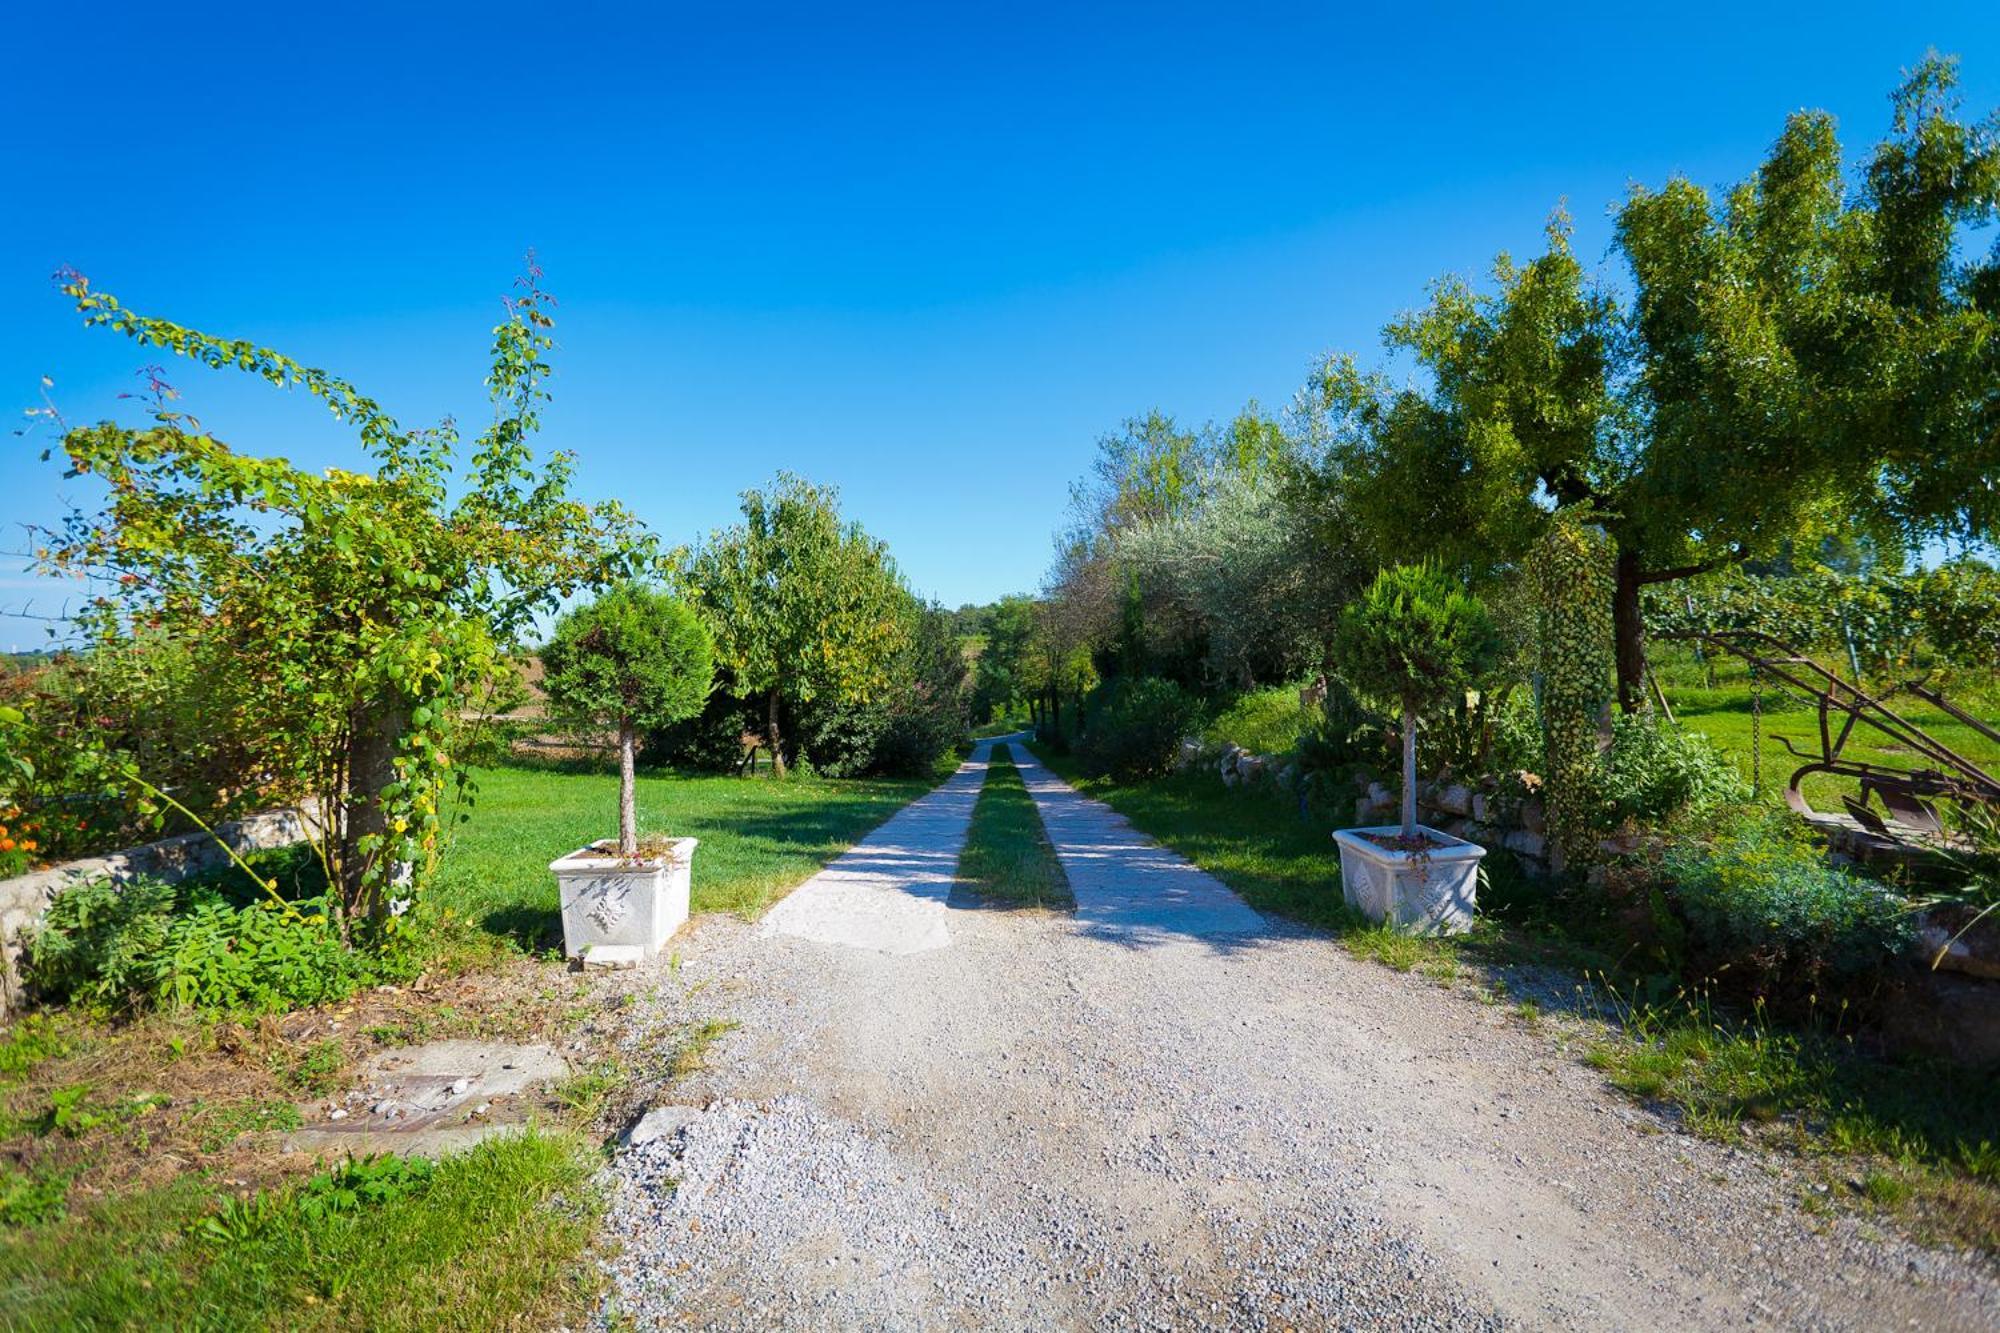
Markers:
point(635, 658)
point(1418, 641)
point(1763, 905)
point(148, 943)
point(1263, 721)
point(1655, 773)
point(1133, 727)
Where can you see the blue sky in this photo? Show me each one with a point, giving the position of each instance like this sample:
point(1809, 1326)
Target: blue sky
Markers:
point(928, 254)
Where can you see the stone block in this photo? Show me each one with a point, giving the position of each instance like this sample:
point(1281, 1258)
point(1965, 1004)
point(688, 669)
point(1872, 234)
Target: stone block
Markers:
point(1534, 815)
point(1526, 843)
point(1455, 798)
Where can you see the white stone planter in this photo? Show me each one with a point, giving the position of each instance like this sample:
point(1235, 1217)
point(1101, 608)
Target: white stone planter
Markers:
point(610, 900)
point(1430, 892)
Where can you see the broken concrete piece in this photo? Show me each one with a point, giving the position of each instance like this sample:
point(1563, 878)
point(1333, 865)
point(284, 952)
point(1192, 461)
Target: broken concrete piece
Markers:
point(659, 1123)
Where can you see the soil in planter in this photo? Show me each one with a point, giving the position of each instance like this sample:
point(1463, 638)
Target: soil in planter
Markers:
point(1416, 843)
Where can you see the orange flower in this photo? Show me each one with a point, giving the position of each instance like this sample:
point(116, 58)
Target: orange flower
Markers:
point(6, 844)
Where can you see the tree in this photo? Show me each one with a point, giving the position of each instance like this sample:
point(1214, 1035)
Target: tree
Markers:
point(635, 658)
point(352, 615)
point(1417, 640)
point(804, 607)
point(1800, 357)
point(1001, 672)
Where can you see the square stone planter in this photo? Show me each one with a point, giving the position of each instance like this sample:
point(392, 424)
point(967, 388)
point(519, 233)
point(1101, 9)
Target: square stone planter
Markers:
point(1431, 892)
point(623, 901)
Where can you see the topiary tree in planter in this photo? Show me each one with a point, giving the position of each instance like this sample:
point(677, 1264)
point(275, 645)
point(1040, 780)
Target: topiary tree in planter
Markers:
point(634, 659)
point(1417, 641)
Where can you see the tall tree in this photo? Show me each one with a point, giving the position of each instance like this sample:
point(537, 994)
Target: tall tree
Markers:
point(804, 606)
point(1806, 353)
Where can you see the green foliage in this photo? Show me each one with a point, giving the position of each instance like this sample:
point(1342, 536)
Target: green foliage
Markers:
point(635, 658)
point(188, 947)
point(348, 618)
point(31, 1196)
point(364, 1182)
point(1571, 572)
point(1760, 898)
point(1882, 621)
point(1415, 639)
point(1263, 721)
point(1133, 728)
point(804, 607)
point(1656, 772)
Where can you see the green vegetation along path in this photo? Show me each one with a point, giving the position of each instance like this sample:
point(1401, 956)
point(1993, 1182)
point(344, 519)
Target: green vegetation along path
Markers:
point(1165, 1110)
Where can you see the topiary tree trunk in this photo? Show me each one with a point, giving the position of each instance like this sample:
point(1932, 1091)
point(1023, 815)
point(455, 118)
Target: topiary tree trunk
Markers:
point(1571, 570)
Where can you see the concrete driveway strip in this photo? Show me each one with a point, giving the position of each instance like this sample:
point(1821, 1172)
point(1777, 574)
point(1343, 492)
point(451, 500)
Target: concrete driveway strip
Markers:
point(1127, 886)
point(887, 893)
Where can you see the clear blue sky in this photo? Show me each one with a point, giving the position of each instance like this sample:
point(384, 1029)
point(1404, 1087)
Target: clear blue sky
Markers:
point(928, 254)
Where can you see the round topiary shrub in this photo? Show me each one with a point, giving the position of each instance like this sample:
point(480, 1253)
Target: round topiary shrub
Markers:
point(634, 659)
point(1415, 641)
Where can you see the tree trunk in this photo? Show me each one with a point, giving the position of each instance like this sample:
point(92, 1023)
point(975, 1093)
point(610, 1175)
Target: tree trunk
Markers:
point(374, 732)
point(771, 726)
point(628, 812)
point(1409, 773)
point(1628, 632)
point(1055, 711)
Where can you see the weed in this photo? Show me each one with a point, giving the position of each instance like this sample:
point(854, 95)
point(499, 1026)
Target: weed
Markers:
point(691, 1055)
point(314, 1072)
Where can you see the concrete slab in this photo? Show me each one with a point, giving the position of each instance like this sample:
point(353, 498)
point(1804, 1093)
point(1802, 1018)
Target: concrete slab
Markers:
point(1127, 886)
point(429, 1100)
point(888, 892)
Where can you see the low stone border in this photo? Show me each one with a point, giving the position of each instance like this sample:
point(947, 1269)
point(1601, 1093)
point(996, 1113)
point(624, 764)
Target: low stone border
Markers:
point(24, 898)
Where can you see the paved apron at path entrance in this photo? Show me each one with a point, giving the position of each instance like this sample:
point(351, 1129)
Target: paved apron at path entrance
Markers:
point(888, 891)
point(1127, 886)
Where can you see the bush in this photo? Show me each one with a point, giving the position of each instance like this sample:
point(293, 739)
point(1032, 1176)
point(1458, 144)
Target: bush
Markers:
point(149, 943)
point(1263, 721)
point(1763, 906)
point(1655, 773)
point(1133, 728)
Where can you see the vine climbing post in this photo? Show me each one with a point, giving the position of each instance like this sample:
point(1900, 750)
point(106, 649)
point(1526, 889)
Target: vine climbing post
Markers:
point(1571, 572)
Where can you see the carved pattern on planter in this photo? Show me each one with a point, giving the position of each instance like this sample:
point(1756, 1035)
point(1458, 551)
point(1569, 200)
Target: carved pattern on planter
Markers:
point(610, 907)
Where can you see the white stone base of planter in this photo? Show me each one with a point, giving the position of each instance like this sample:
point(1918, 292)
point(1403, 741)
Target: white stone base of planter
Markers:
point(620, 902)
point(1431, 892)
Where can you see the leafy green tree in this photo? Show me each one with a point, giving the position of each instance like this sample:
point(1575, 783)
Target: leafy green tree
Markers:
point(635, 658)
point(804, 606)
point(1002, 673)
point(1805, 354)
point(353, 616)
point(1417, 640)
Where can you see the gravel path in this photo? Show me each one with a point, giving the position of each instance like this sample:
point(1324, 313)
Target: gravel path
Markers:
point(1179, 1117)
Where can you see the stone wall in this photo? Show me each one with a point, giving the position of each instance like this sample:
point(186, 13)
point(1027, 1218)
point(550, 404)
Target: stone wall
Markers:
point(24, 897)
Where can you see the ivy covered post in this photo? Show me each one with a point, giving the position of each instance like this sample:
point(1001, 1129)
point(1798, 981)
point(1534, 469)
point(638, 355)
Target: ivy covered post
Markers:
point(1571, 570)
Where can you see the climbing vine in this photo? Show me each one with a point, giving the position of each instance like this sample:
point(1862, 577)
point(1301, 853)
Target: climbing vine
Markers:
point(351, 617)
point(1571, 570)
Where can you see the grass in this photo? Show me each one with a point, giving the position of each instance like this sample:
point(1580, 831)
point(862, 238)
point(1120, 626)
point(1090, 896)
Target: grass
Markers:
point(759, 838)
point(494, 1238)
point(1917, 1139)
point(1007, 855)
point(1724, 714)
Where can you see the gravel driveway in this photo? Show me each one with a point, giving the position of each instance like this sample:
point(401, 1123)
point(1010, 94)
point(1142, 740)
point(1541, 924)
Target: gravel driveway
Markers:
point(1142, 1117)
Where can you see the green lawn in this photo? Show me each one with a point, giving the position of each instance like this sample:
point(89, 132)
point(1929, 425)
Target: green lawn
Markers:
point(1007, 853)
point(759, 837)
point(497, 1238)
point(1723, 713)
